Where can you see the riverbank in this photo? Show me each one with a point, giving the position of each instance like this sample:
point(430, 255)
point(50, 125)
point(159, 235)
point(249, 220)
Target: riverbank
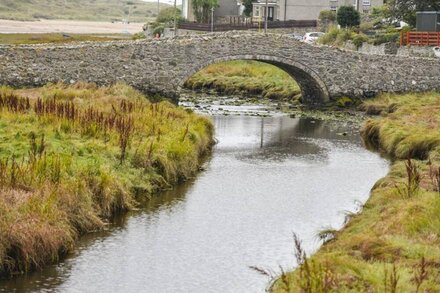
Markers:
point(72, 157)
point(392, 244)
point(46, 26)
point(56, 38)
point(246, 77)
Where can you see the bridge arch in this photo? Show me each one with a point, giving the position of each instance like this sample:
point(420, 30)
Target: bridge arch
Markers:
point(313, 89)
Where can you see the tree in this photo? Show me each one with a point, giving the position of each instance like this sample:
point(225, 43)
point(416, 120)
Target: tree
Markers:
point(247, 7)
point(406, 9)
point(348, 16)
point(202, 9)
point(167, 15)
point(327, 17)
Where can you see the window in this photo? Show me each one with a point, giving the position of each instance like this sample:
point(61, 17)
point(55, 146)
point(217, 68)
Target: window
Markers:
point(257, 11)
point(333, 5)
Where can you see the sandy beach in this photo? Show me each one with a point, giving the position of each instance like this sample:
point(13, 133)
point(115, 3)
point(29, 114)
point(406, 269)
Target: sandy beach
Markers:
point(67, 26)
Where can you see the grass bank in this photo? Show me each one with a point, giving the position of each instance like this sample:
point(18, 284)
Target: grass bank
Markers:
point(247, 77)
point(393, 243)
point(71, 157)
point(15, 39)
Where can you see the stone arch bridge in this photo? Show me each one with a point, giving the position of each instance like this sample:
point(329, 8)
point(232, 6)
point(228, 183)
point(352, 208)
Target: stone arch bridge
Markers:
point(162, 66)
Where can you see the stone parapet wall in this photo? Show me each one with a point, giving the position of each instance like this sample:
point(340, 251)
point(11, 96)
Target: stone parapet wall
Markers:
point(392, 49)
point(162, 66)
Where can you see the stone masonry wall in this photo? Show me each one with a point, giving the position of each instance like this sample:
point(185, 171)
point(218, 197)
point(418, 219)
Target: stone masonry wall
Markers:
point(392, 49)
point(162, 66)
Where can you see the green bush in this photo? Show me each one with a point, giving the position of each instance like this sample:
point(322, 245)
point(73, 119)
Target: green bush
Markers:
point(168, 14)
point(347, 16)
point(336, 36)
point(359, 39)
point(157, 27)
point(327, 17)
point(344, 102)
point(158, 30)
point(386, 38)
point(138, 36)
point(366, 26)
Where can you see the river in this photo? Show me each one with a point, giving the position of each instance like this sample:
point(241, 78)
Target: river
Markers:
point(267, 178)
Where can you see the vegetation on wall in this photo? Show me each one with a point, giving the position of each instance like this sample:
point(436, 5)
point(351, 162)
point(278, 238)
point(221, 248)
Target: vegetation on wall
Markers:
point(71, 157)
point(338, 37)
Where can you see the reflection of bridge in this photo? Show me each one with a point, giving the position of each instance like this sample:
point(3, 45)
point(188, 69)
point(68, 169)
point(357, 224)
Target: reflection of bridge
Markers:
point(162, 66)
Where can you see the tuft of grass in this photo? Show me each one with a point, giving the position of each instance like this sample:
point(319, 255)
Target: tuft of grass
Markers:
point(392, 245)
point(337, 37)
point(327, 234)
point(73, 156)
point(246, 77)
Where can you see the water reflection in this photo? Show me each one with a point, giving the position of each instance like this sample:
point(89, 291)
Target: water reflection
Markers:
point(267, 177)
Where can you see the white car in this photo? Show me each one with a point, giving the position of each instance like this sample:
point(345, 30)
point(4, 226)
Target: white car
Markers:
point(311, 38)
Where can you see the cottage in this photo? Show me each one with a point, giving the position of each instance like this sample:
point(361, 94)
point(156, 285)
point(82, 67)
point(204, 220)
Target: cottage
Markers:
point(305, 9)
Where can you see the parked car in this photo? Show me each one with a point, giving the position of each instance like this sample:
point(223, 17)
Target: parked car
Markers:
point(296, 36)
point(398, 25)
point(311, 37)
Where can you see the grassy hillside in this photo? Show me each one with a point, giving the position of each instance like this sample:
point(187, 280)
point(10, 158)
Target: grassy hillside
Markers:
point(93, 10)
point(71, 157)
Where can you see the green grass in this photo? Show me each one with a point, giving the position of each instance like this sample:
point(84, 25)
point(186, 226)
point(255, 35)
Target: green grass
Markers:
point(246, 77)
point(15, 39)
point(71, 157)
point(393, 244)
point(97, 10)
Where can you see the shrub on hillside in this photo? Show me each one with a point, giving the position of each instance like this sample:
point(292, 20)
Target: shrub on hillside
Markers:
point(359, 39)
point(327, 17)
point(336, 36)
point(348, 16)
point(168, 14)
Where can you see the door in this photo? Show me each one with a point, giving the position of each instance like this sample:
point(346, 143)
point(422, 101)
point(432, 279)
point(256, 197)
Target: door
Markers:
point(270, 13)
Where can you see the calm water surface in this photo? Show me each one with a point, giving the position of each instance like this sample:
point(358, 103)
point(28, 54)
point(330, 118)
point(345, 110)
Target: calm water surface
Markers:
point(267, 178)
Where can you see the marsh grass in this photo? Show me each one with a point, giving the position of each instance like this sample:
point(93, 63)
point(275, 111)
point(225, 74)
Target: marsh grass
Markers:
point(410, 188)
point(311, 276)
point(252, 78)
point(327, 234)
point(393, 244)
point(434, 174)
point(73, 156)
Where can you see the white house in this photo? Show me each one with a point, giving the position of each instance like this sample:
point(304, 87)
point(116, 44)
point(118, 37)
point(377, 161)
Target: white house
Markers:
point(305, 9)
